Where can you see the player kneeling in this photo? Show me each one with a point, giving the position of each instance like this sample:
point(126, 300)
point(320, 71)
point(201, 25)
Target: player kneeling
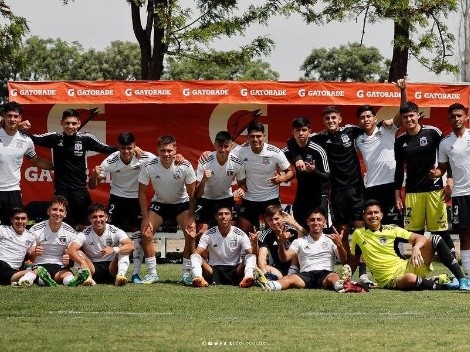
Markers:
point(103, 249)
point(225, 245)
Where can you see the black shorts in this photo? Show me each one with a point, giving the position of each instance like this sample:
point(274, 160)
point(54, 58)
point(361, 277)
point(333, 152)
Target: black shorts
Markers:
point(225, 275)
point(102, 274)
point(461, 212)
point(302, 207)
point(347, 205)
point(53, 269)
point(385, 195)
point(314, 278)
point(8, 200)
point(207, 208)
point(251, 210)
point(168, 211)
point(124, 212)
point(79, 202)
point(6, 272)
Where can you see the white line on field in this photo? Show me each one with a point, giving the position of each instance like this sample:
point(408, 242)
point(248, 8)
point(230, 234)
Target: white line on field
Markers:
point(386, 314)
point(108, 313)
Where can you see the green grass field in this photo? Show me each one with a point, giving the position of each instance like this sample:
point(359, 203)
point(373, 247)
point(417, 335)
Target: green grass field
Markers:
point(170, 317)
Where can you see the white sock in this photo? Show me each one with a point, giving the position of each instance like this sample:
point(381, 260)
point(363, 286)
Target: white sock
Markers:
point(250, 263)
point(123, 264)
point(30, 276)
point(186, 266)
point(196, 265)
point(339, 285)
point(276, 286)
point(152, 265)
point(465, 257)
point(138, 256)
point(293, 269)
point(40, 282)
point(67, 280)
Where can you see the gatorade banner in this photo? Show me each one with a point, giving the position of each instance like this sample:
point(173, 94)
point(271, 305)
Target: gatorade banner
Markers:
point(195, 111)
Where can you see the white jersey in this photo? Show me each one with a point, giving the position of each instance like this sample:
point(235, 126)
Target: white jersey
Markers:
point(218, 186)
point(315, 255)
point(225, 250)
point(14, 247)
point(124, 177)
point(54, 243)
point(169, 184)
point(259, 168)
point(456, 152)
point(12, 151)
point(92, 244)
point(379, 155)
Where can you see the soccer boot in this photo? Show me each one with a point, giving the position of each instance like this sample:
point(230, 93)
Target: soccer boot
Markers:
point(150, 279)
point(261, 280)
point(80, 278)
point(46, 277)
point(121, 280)
point(135, 279)
point(186, 279)
point(346, 273)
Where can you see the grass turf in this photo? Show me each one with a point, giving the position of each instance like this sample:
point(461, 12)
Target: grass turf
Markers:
point(171, 317)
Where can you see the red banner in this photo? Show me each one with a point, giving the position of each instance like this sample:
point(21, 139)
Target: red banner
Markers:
point(187, 111)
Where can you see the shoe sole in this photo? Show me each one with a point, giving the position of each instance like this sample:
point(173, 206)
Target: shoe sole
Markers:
point(258, 277)
point(346, 273)
point(120, 281)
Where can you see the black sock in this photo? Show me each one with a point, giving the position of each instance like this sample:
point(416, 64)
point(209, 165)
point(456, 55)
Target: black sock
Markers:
point(447, 239)
point(446, 257)
point(362, 269)
point(424, 284)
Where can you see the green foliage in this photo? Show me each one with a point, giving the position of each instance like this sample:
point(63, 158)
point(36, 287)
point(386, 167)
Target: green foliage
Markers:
point(219, 66)
point(171, 317)
point(352, 62)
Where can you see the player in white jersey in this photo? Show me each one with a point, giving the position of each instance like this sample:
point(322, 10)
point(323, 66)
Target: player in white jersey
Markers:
point(16, 244)
point(214, 177)
point(102, 248)
point(225, 245)
point(14, 146)
point(454, 152)
point(53, 236)
point(376, 145)
point(123, 205)
point(174, 187)
point(316, 254)
point(263, 163)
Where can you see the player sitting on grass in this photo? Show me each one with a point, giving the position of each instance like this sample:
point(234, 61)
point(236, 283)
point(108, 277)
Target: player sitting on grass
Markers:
point(53, 236)
point(105, 249)
point(16, 243)
point(316, 253)
point(225, 245)
point(378, 244)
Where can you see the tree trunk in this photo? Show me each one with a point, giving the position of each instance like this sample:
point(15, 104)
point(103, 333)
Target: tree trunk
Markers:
point(401, 38)
point(159, 45)
point(465, 33)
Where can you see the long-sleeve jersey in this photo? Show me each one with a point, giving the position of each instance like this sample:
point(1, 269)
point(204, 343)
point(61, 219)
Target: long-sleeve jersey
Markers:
point(69, 156)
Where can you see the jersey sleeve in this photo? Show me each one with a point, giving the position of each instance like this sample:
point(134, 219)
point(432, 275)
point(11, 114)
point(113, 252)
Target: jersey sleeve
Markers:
point(30, 150)
point(295, 246)
point(293, 153)
point(245, 242)
point(94, 144)
point(105, 167)
point(204, 241)
point(45, 140)
point(190, 175)
point(355, 250)
point(282, 161)
point(79, 239)
point(200, 172)
point(144, 176)
point(402, 233)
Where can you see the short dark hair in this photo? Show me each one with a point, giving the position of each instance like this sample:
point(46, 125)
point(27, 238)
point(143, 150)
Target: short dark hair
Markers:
point(363, 108)
point(455, 106)
point(316, 211)
point(59, 199)
point(12, 106)
point(330, 110)
point(96, 207)
point(407, 107)
point(272, 210)
point(165, 140)
point(70, 113)
point(222, 137)
point(17, 209)
point(255, 126)
point(300, 122)
point(372, 202)
point(126, 138)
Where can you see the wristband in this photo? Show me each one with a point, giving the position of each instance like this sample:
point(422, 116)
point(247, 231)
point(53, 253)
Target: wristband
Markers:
point(116, 250)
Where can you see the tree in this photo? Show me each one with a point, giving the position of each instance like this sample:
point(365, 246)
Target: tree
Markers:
point(187, 69)
point(352, 62)
point(418, 27)
point(464, 40)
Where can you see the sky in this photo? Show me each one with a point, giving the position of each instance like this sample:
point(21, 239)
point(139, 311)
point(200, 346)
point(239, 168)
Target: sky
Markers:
point(95, 23)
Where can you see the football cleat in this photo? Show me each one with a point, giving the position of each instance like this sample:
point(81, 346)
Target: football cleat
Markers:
point(82, 276)
point(261, 280)
point(46, 277)
point(150, 279)
point(200, 282)
point(464, 285)
point(25, 283)
point(186, 279)
point(247, 282)
point(121, 280)
point(346, 273)
point(135, 279)
point(454, 285)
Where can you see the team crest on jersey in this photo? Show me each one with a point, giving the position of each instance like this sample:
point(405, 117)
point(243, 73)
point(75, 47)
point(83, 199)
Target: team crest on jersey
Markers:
point(78, 146)
point(265, 160)
point(309, 158)
point(383, 241)
point(62, 240)
point(229, 172)
point(177, 174)
point(28, 243)
point(232, 244)
point(324, 246)
point(19, 144)
point(109, 242)
point(423, 141)
point(346, 140)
